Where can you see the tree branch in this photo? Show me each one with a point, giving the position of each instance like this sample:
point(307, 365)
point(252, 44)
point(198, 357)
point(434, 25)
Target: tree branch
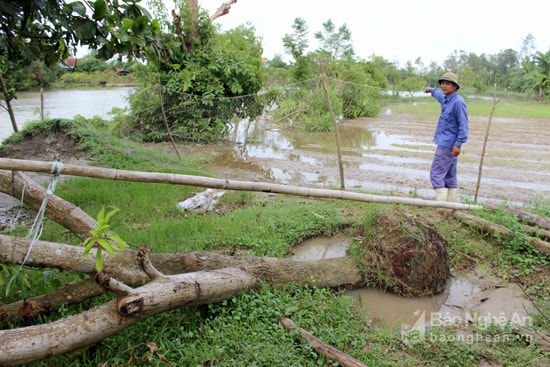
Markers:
point(85, 329)
point(31, 307)
point(493, 229)
point(222, 10)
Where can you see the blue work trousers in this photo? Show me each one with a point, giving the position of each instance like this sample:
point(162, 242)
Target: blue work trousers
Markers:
point(443, 171)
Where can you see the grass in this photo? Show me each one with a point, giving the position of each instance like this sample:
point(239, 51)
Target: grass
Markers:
point(244, 331)
point(480, 107)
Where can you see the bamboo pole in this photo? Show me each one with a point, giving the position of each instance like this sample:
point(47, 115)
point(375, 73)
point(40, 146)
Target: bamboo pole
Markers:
point(495, 101)
point(337, 136)
point(217, 183)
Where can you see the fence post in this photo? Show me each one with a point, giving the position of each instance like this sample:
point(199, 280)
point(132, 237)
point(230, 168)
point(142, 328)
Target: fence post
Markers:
point(337, 136)
point(495, 101)
point(41, 104)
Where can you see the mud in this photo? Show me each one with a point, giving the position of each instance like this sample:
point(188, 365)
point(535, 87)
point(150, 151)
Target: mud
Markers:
point(392, 154)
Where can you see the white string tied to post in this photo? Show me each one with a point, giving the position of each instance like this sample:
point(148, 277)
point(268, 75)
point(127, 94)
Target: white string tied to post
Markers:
point(38, 225)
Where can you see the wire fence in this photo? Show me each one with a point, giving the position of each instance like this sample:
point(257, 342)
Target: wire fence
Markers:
point(181, 109)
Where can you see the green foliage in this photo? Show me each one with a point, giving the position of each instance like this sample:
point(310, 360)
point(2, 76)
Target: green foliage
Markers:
point(308, 105)
point(199, 84)
point(30, 282)
point(48, 30)
point(356, 98)
point(539, 206)
point(410, 85)
point(91, 65)
point(242, 331)
point(337, 43)
point(15, 78)
point(317, 115)
point(360, 94)
point(296, 43)
point(103, 239)
point(246, 227)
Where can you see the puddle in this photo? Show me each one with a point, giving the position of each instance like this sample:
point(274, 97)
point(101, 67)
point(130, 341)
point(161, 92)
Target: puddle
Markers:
point(321, 248)
point(469, 297)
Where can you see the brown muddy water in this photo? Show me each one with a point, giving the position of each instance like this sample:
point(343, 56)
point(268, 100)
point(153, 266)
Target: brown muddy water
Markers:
point(468, 296)
point(392, 153)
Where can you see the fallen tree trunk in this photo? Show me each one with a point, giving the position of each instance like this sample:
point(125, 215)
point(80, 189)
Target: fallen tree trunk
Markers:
point(34, 343)
point(523, 215)
point(218, 183)
point(123, 266)
point(329, 273)
point(20, 186)
point(201, 276)
point(495, 229)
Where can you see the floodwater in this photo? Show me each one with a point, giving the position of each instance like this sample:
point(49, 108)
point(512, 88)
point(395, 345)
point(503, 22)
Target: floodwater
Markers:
point(467, 295)
point(63, 104)
point(392, 153)
point(290, 156)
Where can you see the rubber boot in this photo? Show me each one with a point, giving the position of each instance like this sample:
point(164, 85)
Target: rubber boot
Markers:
point(452, 195)
point(441, 194)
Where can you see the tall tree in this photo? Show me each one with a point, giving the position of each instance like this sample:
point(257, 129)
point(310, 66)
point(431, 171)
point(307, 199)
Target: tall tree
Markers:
point(543, 62)
point(337, 43)
point(198, 84)
point(296, 43)
point(530, 78)
point(527, 47)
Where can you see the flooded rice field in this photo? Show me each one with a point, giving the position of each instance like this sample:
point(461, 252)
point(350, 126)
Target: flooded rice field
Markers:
point(392, 154)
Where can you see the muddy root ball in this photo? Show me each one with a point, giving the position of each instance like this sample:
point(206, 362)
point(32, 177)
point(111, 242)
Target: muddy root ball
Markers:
point(403, 253)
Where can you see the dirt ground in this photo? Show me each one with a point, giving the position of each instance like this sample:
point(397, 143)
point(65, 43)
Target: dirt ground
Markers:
point(516, 161)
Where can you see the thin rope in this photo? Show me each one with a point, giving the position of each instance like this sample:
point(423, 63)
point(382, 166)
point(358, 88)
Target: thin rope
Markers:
point(14, 221)
point(38, 225)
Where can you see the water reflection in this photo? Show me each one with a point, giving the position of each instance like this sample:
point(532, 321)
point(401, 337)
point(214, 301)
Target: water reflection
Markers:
point(353, 139)
point(63, 104)
point(315, 154)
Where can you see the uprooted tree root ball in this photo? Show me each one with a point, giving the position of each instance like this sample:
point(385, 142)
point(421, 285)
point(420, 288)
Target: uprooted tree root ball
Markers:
point(402, 253)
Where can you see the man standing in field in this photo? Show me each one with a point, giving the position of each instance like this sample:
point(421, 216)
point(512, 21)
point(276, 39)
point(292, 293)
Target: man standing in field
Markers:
point(451, 132)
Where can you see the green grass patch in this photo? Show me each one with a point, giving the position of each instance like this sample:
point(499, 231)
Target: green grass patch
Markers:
point(479, 107)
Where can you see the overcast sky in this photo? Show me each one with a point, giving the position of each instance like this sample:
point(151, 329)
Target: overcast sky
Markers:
point(399, 30)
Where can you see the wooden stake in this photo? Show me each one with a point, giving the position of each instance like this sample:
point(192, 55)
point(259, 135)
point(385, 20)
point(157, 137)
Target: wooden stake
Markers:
point(320, 347)
point(495, 101)
point(339, 153)
point(166, 122)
